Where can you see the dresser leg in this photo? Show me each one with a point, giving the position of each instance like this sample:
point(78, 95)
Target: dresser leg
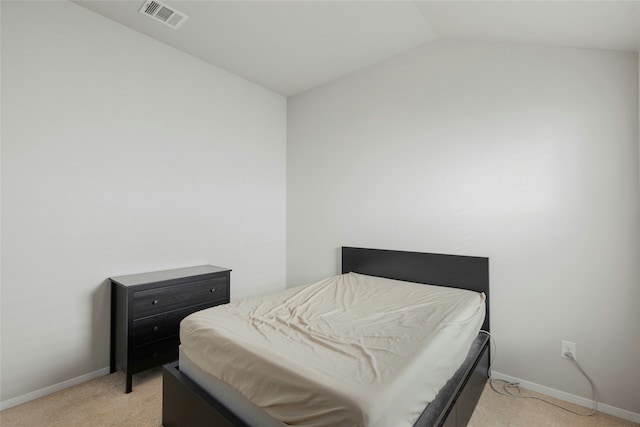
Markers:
point(129, 386)
point(112, 332)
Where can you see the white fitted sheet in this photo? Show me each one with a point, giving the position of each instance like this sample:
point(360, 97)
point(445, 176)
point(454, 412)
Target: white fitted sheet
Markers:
point(351, 350)
point(227, 395)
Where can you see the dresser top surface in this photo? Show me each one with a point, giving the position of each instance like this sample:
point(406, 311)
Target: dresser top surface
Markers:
point(158, 276)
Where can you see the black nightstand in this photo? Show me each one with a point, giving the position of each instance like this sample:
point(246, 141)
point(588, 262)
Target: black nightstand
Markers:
point(146, 310)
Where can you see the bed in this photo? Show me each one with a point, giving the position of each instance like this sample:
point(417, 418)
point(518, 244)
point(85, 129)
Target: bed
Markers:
point(188, 400)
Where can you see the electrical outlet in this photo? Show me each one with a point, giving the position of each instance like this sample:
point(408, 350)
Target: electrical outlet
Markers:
point(569, 347)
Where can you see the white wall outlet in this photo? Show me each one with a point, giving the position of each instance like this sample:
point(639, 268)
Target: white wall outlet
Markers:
point(569, 347)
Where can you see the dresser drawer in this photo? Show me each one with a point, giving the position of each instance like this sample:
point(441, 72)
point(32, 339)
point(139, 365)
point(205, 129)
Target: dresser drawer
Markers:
point(153, 328)
point(159, 300)
point(155, 353)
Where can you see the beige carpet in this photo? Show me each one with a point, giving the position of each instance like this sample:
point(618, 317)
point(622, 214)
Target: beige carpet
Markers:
point(102, 402)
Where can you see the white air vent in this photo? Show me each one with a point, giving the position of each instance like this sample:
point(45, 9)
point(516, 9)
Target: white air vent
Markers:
point(163, 13)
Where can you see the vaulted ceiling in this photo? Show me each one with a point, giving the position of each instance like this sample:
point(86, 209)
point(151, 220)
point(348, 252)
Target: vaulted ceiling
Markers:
point(292, 46)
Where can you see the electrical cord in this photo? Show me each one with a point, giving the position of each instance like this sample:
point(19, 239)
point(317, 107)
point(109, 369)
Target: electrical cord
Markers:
point(512, 389)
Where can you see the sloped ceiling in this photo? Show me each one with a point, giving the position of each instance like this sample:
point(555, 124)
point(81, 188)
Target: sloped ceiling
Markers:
point(292, 46)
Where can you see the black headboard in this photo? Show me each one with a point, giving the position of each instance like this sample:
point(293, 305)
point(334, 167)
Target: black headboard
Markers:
point(454, 271)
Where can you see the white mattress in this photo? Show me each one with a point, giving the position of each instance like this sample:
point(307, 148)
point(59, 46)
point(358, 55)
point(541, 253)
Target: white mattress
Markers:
point(351, 350)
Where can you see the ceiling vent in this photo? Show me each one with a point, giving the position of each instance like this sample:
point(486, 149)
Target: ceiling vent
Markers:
point(163, 13)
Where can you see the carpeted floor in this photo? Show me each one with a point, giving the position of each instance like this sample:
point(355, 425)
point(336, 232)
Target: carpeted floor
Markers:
point(102, 402)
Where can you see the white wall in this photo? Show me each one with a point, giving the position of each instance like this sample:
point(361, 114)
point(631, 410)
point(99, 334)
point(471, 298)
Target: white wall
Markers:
point(527, 155)
point(121, 155)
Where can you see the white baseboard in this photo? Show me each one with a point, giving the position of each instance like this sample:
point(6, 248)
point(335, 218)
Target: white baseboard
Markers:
point(567, 397)
point(10, 403)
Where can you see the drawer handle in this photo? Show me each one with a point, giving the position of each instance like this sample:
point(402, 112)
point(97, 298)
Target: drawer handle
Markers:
point(213, 290)
point(155, 329)
point(155, 301)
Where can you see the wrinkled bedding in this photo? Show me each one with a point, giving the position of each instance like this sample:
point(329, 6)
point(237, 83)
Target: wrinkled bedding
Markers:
point(350, 350)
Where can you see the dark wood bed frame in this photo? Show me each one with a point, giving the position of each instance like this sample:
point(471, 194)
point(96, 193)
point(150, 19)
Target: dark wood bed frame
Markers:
point(185, 403)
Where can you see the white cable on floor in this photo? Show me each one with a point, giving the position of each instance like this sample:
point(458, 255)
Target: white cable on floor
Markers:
point(508, 386)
